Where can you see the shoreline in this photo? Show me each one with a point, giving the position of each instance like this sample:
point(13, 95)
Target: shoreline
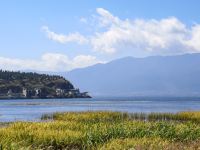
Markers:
point(22, 98)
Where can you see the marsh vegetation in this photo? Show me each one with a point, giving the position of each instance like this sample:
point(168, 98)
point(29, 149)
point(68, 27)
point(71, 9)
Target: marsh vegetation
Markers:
point(105, 130)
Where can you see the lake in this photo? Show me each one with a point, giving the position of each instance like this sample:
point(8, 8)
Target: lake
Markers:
point(32, 109)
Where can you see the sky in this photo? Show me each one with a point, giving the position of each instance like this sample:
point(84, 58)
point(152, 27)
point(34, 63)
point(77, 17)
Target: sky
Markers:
point(61, 35)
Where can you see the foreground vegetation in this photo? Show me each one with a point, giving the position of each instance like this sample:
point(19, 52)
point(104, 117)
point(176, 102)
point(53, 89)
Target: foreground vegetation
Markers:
point(105, 130)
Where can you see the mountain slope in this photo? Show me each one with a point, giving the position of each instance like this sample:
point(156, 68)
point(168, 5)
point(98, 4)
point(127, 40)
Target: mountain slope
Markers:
point(156, 75)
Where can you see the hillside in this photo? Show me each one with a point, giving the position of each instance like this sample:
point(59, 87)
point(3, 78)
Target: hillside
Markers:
point(150, 76)
point(33, 85)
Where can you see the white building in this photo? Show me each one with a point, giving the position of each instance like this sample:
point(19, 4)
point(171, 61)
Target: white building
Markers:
point(60, 92)
point(10, 93)
point(24, 92)
point(74, 92)
point(37, 91)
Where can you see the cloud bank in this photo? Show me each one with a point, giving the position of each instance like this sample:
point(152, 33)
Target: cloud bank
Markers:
point(48, 62)
point(140, 37)
point(165, 36)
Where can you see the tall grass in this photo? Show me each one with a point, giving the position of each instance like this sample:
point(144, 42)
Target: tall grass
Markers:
point(148, 144)
point(193, 116)
point(104, 130)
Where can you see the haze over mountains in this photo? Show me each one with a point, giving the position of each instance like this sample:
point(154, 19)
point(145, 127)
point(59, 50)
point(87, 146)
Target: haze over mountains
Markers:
point(151, 76)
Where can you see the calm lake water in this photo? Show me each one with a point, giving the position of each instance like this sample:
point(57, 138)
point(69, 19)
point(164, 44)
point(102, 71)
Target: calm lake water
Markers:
point(31, 110)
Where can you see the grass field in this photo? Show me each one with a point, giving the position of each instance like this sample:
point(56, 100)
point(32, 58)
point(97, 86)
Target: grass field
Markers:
point(105, 131)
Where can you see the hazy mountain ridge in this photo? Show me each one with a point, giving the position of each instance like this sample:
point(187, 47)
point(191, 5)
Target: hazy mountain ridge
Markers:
point(155, 75)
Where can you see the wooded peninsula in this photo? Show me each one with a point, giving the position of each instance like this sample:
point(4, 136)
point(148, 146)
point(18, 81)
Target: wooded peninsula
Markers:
point(22, 85)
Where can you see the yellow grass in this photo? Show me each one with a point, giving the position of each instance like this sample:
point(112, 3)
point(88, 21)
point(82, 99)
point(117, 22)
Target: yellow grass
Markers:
point(104, 130)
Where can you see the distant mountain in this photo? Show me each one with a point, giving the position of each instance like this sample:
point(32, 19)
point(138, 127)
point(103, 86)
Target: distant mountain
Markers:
point(151, 76)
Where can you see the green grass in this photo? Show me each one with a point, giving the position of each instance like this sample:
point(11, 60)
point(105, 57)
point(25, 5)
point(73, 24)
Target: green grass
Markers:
point(148, 144)
point(105, 130)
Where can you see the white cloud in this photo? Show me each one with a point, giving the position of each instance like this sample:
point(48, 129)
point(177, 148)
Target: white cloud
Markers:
point(194, 40)
point(165, 36)
point(61, 38)
point(137, 37)
point(84, 60)
point(106, 18)
point(48, 62)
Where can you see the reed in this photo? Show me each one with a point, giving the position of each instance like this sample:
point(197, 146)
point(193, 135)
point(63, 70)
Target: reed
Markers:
point(148, 144)
point(104, 130)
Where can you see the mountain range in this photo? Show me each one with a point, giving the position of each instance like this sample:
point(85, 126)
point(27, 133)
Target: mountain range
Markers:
point(150, 76)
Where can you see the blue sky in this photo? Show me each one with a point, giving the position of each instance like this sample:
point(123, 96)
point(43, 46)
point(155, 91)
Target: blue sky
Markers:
point(60, 35)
